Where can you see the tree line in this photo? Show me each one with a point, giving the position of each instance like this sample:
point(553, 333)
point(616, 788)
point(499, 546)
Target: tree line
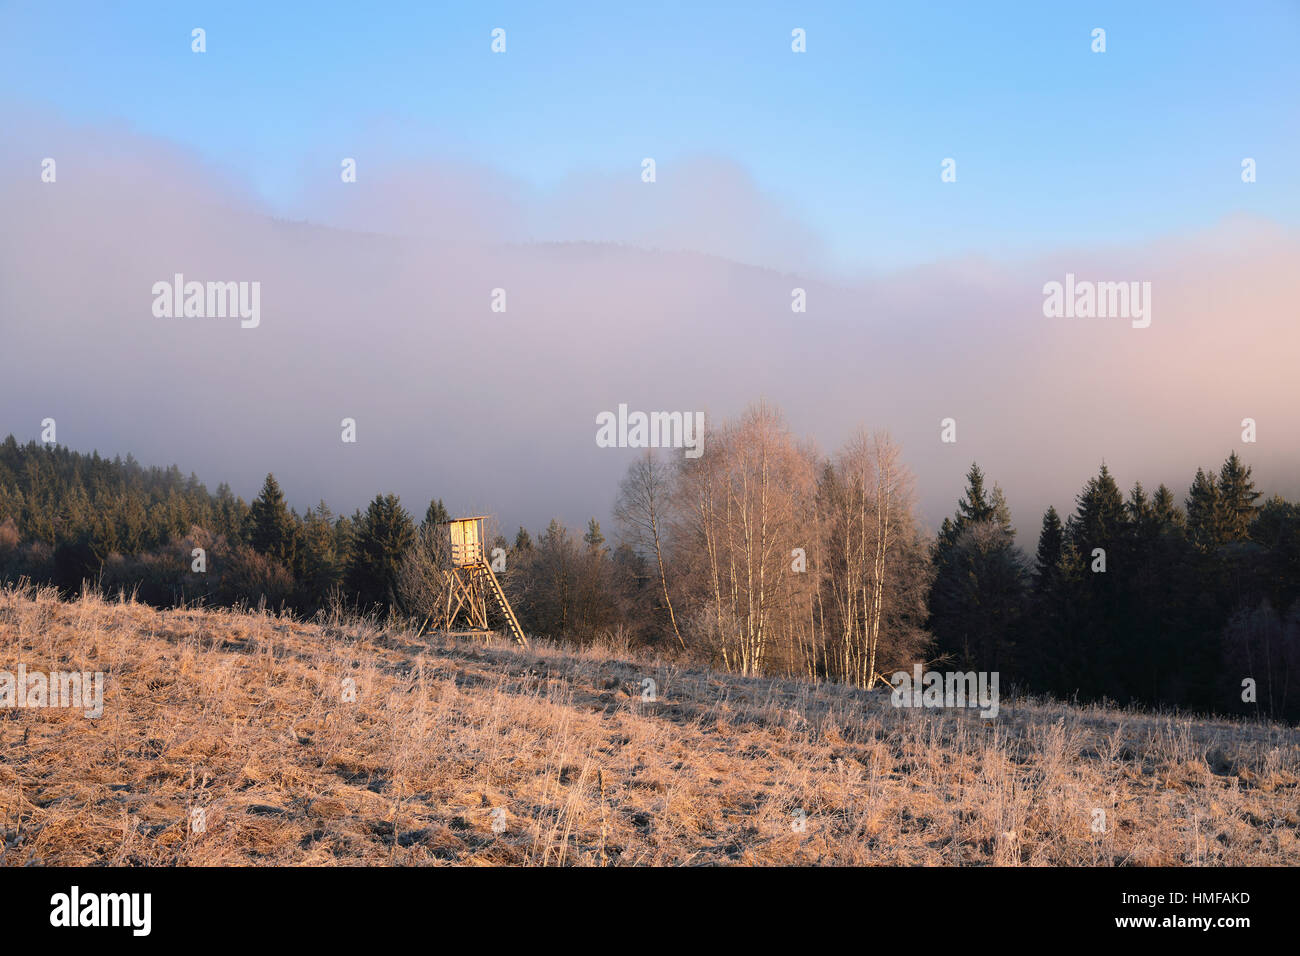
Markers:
point(1131, 597)
point(762, 556)
point(68, 518)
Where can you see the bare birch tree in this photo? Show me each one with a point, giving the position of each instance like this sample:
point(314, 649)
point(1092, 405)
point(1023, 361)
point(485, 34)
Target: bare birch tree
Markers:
point(874, 549)
point(643, 500)
point(746, 508)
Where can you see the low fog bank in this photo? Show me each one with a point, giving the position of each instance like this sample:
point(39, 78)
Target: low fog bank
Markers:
point(377, 307)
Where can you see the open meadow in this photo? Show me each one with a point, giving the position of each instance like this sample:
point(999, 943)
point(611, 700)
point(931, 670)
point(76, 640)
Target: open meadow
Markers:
point(243, 738)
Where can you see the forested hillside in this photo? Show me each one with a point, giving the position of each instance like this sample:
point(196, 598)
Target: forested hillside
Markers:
point(762, 556)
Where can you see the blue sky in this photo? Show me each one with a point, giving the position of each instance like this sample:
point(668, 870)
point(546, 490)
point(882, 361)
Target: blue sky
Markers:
point(1055, 145)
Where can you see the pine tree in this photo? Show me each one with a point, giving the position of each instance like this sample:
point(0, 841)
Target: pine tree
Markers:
point(1237, 497)
point(1100, 519)
point(975, 506)
point(977, 596)
point(1277, 528)
point(523, 540)
point(230, 515)
point(1168, 514)
point(1002, 512)
point(593, 537)
point(1082, 614)
point(436, 514)
point(383, 535)
point(132, 521)
point(1204, 511)
point(272, 526)
point(1140, 509)
point(1047, 561)
point(345, 533)
point(11, 503)
point(1144, 521)
point(1048, 650)
point(318, 567)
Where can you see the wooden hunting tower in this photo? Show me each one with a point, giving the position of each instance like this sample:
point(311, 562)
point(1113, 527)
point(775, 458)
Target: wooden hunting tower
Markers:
point(470, 581)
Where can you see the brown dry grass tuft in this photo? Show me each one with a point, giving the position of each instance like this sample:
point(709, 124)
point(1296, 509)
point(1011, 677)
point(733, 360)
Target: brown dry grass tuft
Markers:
point(458, 753)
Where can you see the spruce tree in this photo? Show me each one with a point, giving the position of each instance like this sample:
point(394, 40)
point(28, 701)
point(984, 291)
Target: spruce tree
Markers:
point(1045, 651)
point(344, 540)
point(1144, 521)
point(1237, 497)
point(1140, 509)
point(230, 514)
point(436, 514)
point(383, 535)
point(977, 596)
point(975, 506)
point(318, 568)
point(1001, 511)
point(272, 526)
point(1204, 511)
point(1100, 518)
point(1047, 561)
point(1168, 514)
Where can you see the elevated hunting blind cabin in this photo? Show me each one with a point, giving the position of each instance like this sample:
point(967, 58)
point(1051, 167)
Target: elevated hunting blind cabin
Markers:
point(470, 581)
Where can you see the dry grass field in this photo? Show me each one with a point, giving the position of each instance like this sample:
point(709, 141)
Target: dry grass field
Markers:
point(453, 752)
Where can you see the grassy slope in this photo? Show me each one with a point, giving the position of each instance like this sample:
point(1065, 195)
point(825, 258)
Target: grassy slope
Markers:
point(243, 715)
